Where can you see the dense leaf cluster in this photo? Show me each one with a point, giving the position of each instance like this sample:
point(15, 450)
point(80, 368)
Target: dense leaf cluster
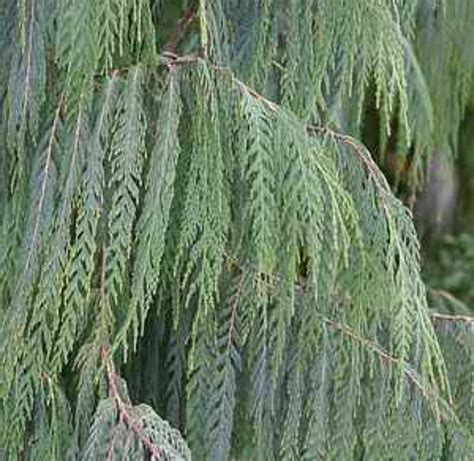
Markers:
point(178, 203)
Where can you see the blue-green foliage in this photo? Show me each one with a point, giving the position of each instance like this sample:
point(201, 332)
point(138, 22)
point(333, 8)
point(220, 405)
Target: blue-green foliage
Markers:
point(200, 223)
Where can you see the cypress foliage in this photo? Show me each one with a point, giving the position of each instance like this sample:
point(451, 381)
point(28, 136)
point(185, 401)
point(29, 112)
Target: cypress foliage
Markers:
point(199, 255)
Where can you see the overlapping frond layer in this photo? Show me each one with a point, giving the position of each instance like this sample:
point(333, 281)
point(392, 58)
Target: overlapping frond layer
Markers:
point(121, 429)
point(194, 222)
point(449, 74)
point(320, 239)
point(334, 58)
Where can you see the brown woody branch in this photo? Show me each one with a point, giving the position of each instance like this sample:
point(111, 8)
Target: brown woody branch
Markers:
point(125, 416)
point(451, 318)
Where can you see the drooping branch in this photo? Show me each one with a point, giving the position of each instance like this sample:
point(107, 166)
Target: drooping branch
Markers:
point(125, 414)
point(171, 60)
point(42, 194)
point(385, 357)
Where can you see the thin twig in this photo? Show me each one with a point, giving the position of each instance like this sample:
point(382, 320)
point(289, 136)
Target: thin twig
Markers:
point(42, 194)
point(124, 410)
point(372, 170)
point(379, 350)
point(372, 345)
point(170, 59)
point(181, 27)
point(430, 393)
point(451, 318)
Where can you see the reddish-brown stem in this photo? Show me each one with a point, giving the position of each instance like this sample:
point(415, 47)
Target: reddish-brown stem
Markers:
point(181, 27)
point(125, 416)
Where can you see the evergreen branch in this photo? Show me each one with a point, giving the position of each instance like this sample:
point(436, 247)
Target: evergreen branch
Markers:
point(67, 329)
point(46, 315)
point(385, 356)
point(226, 362)
point(315, 340)
point(171, 60)
point(372, 169)
point(28, 56)
point(78, 32)
point(27, 81)
point(112, 14)
point(451, 318)
point(127, 157)
point(91, 355)
point(275, 279)
point(20, 369)
point(152, 225)
point(258, 166)
point(366, 159)
point(124, 413)
point(81, 259)
point(153, 434)
point(41, 199)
